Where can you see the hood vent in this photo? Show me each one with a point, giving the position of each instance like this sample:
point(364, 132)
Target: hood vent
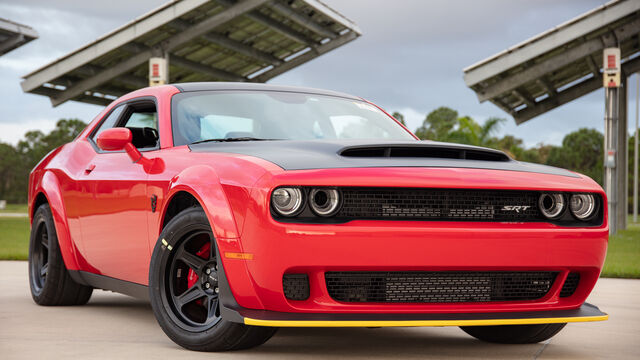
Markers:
point(439, 152)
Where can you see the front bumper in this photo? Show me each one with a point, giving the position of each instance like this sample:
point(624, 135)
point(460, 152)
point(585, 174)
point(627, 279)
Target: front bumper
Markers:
point(279, 249)
point(275, 248)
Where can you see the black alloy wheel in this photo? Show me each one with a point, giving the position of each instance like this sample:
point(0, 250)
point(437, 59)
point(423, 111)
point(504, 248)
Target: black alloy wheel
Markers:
point(40, 258)
point(192, 283)
point(184, 288)
point(49, 279)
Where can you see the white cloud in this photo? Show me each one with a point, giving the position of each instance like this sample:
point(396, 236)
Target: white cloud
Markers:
point(13, 132)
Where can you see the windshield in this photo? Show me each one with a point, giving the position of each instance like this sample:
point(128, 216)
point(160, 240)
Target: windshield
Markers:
point(271, 115)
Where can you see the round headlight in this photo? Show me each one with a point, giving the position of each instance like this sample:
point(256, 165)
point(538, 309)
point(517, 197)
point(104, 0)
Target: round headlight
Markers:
point(324, 202)
point(287, 201)
point(582, 205)
point(551, 205)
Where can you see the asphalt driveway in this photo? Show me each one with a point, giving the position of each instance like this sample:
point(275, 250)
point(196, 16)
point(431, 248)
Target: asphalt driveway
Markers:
point(114, 326)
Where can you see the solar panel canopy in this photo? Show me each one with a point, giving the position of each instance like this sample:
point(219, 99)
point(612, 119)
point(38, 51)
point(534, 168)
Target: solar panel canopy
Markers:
point(204, 40)
point(14, 35)
point(559, 65)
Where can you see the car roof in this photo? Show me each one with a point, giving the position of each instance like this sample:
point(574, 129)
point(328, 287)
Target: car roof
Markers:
point(220, 86)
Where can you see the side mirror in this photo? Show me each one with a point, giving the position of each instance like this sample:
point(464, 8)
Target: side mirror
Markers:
point(117, 139)
point(114, 139)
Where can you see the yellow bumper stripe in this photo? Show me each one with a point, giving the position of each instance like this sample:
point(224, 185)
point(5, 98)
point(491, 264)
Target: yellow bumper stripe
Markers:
point(392, 323)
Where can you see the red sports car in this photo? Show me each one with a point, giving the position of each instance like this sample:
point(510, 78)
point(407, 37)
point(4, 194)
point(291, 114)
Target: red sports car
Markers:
point(240, 208)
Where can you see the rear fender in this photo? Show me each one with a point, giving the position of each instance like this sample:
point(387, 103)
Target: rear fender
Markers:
point(50, 187)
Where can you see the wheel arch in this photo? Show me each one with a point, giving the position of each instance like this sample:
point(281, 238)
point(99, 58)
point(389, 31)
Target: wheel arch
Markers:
point(202, 184)
point(181, 200)
point(39, 199)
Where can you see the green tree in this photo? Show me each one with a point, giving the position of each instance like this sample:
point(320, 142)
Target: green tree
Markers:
point(398, 116)
point(581, 151)
point(17, 162)
point(9, 177)
point(468, 131)
point(438, 124)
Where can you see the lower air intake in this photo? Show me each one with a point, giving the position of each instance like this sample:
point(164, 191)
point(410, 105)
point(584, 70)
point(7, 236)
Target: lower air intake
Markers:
point(296, 286)
point(570, 285)
point(438, 287)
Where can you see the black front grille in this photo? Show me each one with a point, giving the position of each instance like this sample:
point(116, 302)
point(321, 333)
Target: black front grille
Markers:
point(438, 287)
point(570, 285)
point(296, 286)
point(439, 204)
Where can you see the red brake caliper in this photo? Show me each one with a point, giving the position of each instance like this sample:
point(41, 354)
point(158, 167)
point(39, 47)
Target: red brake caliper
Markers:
point(192, 277)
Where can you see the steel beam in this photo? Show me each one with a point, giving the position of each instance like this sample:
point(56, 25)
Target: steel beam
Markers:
point(561, 98)
point(190, 64)
point(556, 62)
point(351, 35)
point(11, 43)
point(549, 89)
point(198, 67)
point(523, 98)
point(231, 44)
point(572, 93)
point(197, 30)
point(276, 26)
point(499, 103)
point(205, 26)
point(91, 70)
point(595, 69)
point(100, 78)
point(302, 20)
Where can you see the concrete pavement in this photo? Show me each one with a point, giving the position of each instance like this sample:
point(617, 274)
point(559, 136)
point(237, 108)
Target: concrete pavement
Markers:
point(114, 326)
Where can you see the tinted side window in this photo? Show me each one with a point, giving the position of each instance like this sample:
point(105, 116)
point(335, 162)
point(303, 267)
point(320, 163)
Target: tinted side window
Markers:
point(109, 122)
point(142, 120)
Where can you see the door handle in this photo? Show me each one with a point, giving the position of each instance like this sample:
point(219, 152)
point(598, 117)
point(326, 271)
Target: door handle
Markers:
point(89, 169)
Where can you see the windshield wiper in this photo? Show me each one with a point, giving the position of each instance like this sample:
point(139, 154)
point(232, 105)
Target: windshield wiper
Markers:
point(231, 139)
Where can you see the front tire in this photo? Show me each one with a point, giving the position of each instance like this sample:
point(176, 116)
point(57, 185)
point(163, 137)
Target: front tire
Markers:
point(49, 278)
point(514, 334)
point(183, 288)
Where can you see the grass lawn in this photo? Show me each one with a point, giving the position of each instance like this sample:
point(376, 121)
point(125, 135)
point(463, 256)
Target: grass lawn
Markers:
point(14, 238)
point(623, 256)
point(15, 208)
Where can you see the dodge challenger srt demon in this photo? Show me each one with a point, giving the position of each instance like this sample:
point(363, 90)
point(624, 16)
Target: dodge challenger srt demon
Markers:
point(239, 208)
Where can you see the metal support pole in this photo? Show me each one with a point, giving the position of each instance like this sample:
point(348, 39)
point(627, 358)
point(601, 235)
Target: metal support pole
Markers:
point(166, 56)
point(635, 155)
point(622, 156)
point(610, 145)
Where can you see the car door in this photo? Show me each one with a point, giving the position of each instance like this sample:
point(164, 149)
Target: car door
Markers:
point(114, 221)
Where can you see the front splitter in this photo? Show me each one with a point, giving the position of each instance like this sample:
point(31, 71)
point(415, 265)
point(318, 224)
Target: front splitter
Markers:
point(586, 312)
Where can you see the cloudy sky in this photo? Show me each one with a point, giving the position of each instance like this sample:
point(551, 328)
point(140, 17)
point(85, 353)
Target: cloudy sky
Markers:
point(409, 59)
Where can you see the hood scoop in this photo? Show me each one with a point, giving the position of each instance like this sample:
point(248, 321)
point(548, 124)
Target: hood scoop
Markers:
point(434, 151)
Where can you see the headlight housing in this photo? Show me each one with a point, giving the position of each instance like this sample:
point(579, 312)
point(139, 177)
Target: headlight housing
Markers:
point(324, 202)
point(287, 201)
point(551, 205)
point(582, 206)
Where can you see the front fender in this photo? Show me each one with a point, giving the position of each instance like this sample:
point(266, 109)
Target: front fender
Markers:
point(203, 183)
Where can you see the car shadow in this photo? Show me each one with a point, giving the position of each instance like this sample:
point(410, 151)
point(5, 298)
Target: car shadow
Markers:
point(404, 342)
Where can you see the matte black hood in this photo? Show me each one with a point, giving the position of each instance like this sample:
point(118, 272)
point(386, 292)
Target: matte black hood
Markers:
point(328, 154)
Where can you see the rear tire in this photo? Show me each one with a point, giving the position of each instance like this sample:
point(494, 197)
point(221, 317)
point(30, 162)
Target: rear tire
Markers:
point(514, 334)
point(183, 289)
point(49, 278)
